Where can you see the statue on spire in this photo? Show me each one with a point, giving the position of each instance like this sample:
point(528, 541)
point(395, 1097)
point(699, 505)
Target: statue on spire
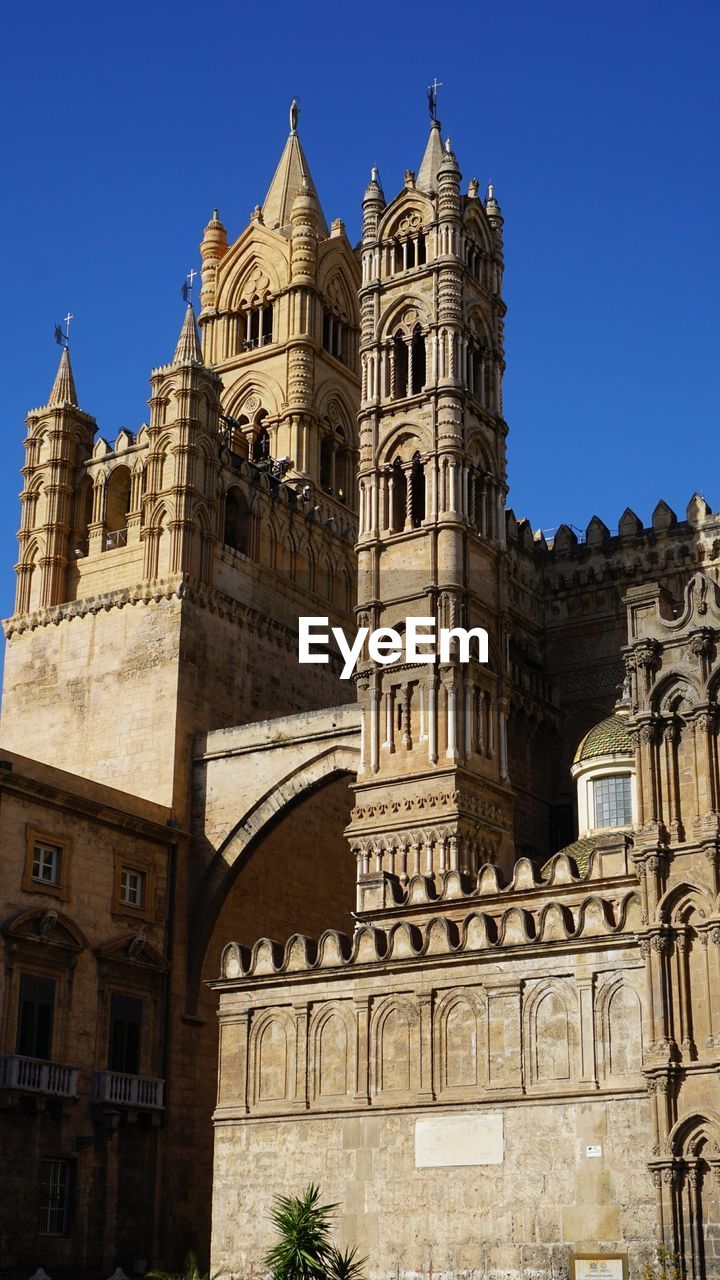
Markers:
point(432, 97)
point(294, 113)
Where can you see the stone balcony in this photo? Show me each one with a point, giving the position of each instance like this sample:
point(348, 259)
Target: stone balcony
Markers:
point(36, 1076)
point(144, 1093)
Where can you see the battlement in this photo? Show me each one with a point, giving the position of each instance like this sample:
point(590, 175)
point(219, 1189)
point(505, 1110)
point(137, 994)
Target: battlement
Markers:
point(567, 541)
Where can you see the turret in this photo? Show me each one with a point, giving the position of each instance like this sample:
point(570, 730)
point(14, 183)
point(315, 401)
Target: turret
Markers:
point(213, 248)
point(372, 206)
point(180, 504)
point(59, 438)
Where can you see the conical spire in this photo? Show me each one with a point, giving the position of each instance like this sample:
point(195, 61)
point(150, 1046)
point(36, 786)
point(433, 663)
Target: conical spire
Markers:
point(427, 176)
point(188, 349)
point(63, 390)
point(290, 176)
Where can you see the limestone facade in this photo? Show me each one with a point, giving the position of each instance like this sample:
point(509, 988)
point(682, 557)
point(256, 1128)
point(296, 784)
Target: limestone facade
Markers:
point(503, 1044)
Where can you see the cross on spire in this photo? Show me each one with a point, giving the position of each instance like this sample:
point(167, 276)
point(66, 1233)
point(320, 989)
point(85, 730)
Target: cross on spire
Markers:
point(63, 339)
point(187, 289)
point(432, 97)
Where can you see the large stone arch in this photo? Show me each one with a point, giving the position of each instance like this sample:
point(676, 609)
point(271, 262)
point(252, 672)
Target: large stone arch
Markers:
point(294, 766)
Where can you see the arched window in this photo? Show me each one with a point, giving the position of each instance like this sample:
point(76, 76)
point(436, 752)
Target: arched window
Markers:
point(118, 506)
point(326, 465)
point(84, 512)
point(343, 466)
point(421, 250)
point(335, 336)
point(399, 496)
point(417, 491)
point(410, 254)
point(400, 364)
point(237, 521)
point(474, 369)
point(418, 361)
point(398, 256)
point(258, 324)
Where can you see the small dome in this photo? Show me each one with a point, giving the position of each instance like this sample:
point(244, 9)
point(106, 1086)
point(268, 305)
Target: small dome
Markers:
point(609, 738)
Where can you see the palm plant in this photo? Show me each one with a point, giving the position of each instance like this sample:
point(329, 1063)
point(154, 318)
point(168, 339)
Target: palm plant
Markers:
point(304, 1250)
point(191, 1271)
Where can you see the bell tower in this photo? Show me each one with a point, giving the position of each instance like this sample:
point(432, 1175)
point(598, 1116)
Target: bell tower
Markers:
point(433, 794)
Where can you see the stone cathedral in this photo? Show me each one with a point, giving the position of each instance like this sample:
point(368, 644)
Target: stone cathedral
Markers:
point(443, 938)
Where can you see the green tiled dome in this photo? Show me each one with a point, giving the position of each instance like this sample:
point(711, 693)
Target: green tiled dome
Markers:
point(609, 738)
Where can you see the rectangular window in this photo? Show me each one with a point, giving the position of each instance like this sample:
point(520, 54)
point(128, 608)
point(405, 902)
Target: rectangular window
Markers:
point(613, 805)
point(125, 1024)
point(56, 1197)
point(132, 888)
point(35, 1016)
point(46, 862)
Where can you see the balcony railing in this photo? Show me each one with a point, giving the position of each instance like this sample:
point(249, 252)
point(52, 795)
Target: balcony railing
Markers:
point(34, 1075)
point(118, 538)
point(129, 1091)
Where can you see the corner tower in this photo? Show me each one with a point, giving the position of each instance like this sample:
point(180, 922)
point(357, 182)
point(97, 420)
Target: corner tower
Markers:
point(433, 794)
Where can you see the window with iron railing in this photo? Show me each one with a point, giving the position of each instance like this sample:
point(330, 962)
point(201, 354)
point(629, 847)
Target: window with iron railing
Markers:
point(56, 1197)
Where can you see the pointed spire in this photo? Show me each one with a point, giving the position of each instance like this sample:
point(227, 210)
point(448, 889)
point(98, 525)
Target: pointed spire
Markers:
point(63, 390)
point(427, 174)
point(188, 350)
point(291, 175)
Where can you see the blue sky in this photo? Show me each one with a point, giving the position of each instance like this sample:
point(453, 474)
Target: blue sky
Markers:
point(598, 124)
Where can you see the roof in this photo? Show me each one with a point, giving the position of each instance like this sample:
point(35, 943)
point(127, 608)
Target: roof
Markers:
point(580, 851)
point(292, 178)
point(609, 738)
point(431, 161)
point(63, 390)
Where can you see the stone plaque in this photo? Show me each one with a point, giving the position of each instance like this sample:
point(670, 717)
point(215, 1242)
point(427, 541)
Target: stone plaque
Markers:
point(598, 1266)
point(456, 1140)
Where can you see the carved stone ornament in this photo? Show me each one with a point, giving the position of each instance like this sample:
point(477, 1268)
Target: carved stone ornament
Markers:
point(647, 655)
point(706, 721)
point(702, 642)
point(252, 404)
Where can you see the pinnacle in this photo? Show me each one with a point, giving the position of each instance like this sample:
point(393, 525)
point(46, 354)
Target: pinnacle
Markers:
point(291, 178)
point(427, 175)
point(63, 389)
point(188, 349)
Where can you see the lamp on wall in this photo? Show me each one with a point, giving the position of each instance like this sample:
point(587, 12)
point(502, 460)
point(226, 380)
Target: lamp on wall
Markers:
point(110, 1121)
